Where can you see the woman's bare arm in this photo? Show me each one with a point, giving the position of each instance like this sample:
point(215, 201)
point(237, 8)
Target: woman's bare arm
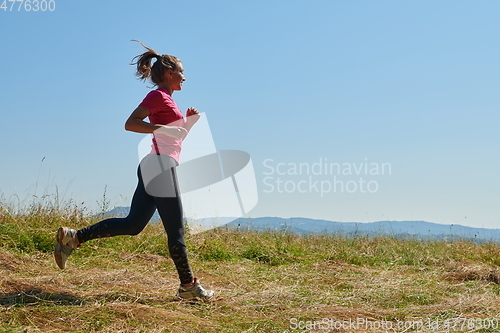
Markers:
point(136, 123)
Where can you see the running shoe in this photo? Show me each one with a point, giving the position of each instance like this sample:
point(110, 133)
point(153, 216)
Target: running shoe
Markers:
point(67, 242)
point(195, 291)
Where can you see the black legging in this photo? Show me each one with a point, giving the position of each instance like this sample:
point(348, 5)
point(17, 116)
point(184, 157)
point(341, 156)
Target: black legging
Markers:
point(142, 209)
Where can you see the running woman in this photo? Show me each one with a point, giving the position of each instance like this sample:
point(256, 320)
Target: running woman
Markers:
point(155, 189)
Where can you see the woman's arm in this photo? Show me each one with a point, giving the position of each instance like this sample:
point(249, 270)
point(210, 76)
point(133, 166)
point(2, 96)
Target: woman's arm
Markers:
point(136, 123)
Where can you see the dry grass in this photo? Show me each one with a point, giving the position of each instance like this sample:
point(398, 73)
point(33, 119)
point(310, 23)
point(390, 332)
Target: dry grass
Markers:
point(263, 281)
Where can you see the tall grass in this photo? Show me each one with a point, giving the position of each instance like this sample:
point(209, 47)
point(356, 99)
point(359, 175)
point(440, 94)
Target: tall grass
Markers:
point(33, 229)
point(120, 284)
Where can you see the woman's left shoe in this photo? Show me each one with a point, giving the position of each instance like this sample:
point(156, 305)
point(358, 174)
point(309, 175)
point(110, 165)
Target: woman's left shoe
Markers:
point(195, 291)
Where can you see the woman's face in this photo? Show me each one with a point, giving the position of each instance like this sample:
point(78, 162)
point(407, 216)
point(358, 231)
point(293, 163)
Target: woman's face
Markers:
point(177, 77)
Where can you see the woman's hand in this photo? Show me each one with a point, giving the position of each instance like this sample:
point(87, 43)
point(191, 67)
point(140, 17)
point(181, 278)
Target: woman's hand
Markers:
point(193, 115)
point(177, 132)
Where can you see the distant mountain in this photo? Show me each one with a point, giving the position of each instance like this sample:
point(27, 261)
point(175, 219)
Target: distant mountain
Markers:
point(417, 229)
point(304, 226)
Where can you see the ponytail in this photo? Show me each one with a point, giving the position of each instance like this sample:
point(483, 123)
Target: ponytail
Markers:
point(154, 72)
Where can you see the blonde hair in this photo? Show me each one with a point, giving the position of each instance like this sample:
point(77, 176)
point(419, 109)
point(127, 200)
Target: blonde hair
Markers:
point(155, 71)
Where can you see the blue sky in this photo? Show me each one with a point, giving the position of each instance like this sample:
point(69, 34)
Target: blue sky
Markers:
point(412, 84)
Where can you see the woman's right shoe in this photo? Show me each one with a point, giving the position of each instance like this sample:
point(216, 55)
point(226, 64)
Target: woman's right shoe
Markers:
point(195, 291)
point(67, 241)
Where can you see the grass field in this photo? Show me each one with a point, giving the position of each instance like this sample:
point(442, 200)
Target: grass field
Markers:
point(265, 282)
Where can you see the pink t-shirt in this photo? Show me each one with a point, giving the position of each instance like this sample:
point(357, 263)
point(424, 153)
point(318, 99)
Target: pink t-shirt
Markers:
point(164, 111)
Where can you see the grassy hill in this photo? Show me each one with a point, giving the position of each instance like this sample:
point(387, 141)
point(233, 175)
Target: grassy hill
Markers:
point(265, 282)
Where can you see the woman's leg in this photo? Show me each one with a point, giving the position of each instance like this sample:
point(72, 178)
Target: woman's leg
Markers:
point(170, 210)
point(141, 211)
point(171, 216)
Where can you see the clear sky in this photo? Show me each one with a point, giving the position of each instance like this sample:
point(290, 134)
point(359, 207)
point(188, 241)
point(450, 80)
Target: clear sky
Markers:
point(398, 99)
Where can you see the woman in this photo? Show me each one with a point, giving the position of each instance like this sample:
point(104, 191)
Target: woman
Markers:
point(157, 186)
